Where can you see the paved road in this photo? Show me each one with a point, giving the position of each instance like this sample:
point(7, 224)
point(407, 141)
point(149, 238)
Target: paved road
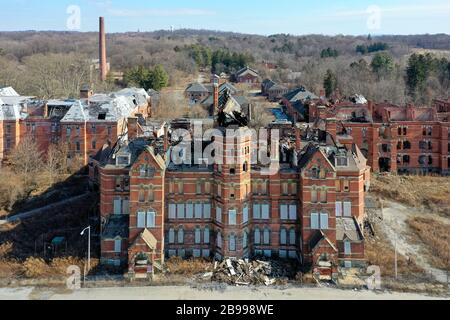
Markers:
point(188, 293)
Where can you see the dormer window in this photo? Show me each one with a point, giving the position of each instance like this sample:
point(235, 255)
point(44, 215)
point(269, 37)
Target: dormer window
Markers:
point(102, 116)
point(341, 161)
point(123, 160)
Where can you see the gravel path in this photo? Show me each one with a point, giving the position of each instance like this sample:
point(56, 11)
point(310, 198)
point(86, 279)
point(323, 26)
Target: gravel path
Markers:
point(395, 227)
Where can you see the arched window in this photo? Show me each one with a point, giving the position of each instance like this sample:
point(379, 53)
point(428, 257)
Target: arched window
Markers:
point(245, 166)
point(151, 194)
point(180, 235)
point(171, 235)
point(219, 240)
point(292, 237)
point(245, 240)
point(232, 217)
point(206, 236)
point(198, 235)
point(315, 173)
point(257, 236)
point(266, 237)
point(283, 236)
point(232, 242)
point(314, 195)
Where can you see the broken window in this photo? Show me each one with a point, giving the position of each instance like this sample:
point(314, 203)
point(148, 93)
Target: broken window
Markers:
point(423, 145)
point(385, 148)
point(119, 184)
point(406, 145)
point(315, 173)
point(430, 160)
point(422, 160)
point(94, 144)
point(406, 159)
point(102, 116)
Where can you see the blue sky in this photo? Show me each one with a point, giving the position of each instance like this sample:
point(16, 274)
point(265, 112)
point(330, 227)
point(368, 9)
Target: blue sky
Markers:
point(248, 16)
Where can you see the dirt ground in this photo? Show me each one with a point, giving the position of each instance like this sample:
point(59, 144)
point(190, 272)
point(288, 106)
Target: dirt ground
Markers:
point(205, 293)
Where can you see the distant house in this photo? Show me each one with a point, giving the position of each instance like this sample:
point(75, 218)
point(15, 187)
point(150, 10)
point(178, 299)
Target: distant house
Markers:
point(197, 92)
point(266, 85)
point(247, 75)
point(276, 92)
point(225, 92)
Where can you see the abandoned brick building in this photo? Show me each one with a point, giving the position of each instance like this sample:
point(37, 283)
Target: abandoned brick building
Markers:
point(84, 125)
point(310, 209)
point(400, 139)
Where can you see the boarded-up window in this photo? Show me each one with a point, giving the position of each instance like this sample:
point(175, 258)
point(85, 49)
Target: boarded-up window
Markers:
point(117, 206)
point(219, 214)
point(266, 237)
point(141, 219)
point(171, 235)
point(314, 221)
point(264, 187)
point(284, 211)
point(197, 236)
point(198, 187)
point(256, 211)
point(126, 206)
point(347, 247)
point(283, 236)
point(232, 217)
point(180, 235)
point(314, 195)
point(141, 195)
point(206, 235)
point(265, 214)
point(338, 185)
point(189, 211)
point(117, 245)
point(151, 219)
point(245, 215)
point(207, 187)
point(172, 211)
point(198, 210)
point(151, 195)
point(180, 211)
point(232, 243)
point(324, 221)
point(292, 237)
point(338, 209)
point(294, 188)
point(257, 236)
point(284, 188)
point(207, 211)
point(323, 195)
point(347, 209)
point(293, 212)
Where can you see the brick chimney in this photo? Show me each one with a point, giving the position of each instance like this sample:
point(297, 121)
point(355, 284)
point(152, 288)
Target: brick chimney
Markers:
point(216, 95)
point(132, 126)
point(102, 50)
point(166, 138)
point(85, 92)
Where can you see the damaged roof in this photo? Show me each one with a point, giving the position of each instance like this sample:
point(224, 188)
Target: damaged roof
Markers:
point(300, 94)
point(348, 228)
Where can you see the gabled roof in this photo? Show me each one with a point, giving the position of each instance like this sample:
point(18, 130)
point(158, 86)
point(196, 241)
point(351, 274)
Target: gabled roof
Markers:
point(300, 94)
point(197, 87)
point(8, 91)
point(277, 87)
point(319, 237)
point(246, 70)
point(348, 228)
point(148, 238)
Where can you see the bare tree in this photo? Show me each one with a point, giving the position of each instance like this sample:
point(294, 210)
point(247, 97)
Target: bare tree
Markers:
point(26, 157)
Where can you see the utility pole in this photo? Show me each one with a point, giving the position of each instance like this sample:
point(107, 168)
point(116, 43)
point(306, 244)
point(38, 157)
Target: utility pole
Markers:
point(396, 273)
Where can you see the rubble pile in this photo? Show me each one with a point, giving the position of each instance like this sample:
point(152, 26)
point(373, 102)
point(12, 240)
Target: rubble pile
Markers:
point(245, 272)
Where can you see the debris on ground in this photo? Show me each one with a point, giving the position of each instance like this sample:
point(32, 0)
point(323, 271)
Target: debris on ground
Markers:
point(244, 272)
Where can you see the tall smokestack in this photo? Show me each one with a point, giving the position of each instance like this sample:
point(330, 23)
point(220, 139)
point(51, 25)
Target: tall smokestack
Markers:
point(102, 50)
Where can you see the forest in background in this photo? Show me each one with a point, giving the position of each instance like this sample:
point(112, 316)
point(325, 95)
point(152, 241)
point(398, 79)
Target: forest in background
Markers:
point(56, 64)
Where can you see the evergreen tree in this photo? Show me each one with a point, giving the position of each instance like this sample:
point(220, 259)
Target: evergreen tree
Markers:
point(330, 83)
point(382, 64)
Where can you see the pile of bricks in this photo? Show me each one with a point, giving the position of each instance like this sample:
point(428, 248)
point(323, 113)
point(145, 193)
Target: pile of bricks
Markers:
point(245, 272)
